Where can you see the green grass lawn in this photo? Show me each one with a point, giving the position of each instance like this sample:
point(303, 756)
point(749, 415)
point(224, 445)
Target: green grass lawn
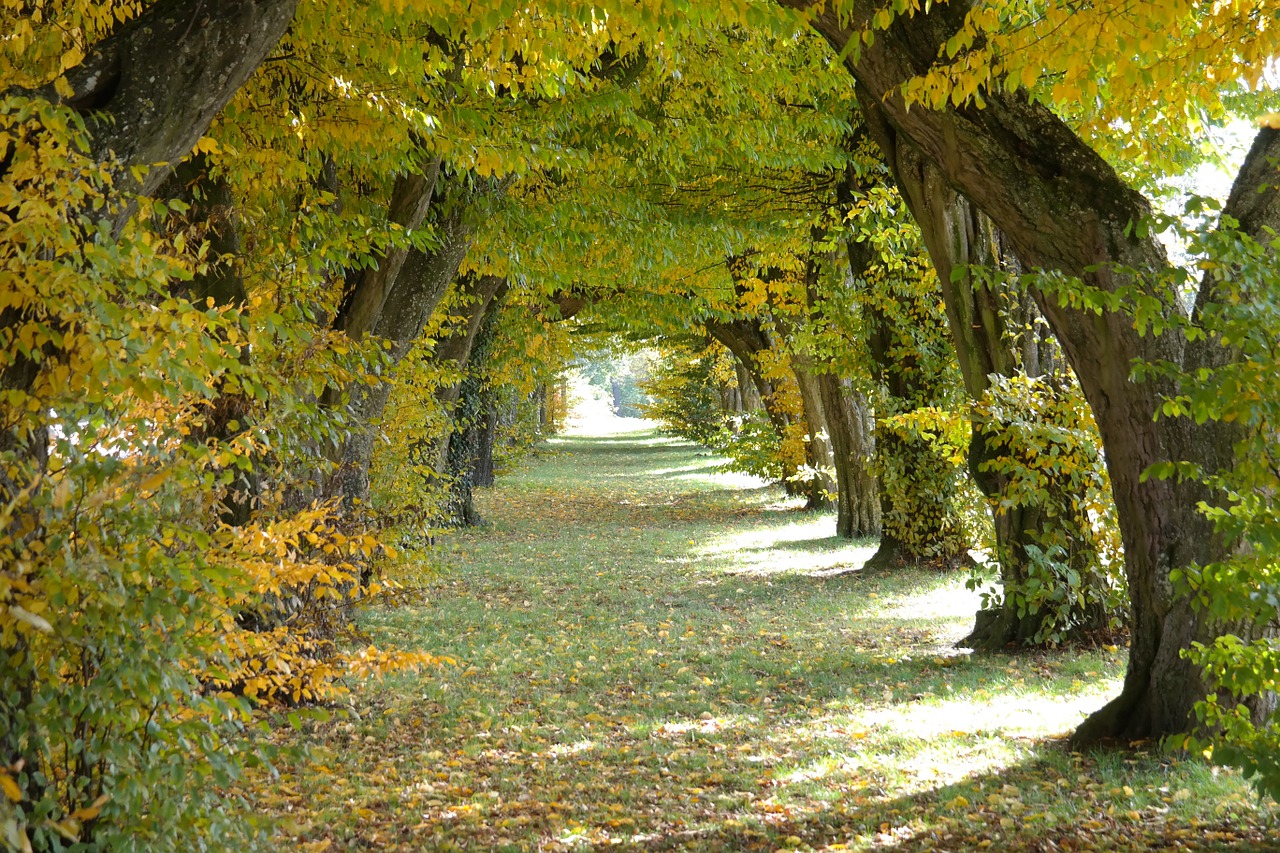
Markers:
point(652, 654)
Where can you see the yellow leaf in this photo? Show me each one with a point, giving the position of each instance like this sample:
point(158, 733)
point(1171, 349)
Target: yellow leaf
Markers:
point(1271, 120)
point(153, 482)
point(61, 493)
point(91, 811)
point(10, 787)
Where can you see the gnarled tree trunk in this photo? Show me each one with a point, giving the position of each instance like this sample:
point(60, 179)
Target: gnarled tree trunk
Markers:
point(990, 326)
point(1064, 209)
point(747, 339)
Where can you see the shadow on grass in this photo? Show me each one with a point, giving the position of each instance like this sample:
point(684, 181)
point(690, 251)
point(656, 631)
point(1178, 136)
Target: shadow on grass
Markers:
point(700, 680)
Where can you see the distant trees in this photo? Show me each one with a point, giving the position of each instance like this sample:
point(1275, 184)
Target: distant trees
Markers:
point(278, 277)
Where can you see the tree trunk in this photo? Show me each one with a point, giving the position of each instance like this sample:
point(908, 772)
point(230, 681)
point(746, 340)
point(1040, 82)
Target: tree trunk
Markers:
point(228, 412)
point(369, 288)
point(452, 454)
point(748, 395)
point(918, 483)
point(152, 88)
point(985, 320)
point(746, 339)
point(850, 433)
point(482, 472)
point(1064, 209)
point(821, 489)
point(201, 53)
point(472, 417)
point(850, 425)
point(416, 292)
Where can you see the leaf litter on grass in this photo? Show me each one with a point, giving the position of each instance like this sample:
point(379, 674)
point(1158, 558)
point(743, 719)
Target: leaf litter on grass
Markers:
point(659, 662)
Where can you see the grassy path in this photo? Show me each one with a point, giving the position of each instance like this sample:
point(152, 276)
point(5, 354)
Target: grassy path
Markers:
point(653, 655)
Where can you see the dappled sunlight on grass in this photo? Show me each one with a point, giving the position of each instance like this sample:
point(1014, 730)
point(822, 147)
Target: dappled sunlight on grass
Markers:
point(803, 546)
point(660, 661)
point(929, 605)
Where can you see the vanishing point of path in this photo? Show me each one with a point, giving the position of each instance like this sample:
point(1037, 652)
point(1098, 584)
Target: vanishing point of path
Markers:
point(652, 654)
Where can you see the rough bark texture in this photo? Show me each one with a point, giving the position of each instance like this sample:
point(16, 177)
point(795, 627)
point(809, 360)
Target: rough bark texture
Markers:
point(150, 91)
point(417, 291)
point(1065, 209)
point(850, 425)
point(153, 86)
point(991, 327)
point(749, 395)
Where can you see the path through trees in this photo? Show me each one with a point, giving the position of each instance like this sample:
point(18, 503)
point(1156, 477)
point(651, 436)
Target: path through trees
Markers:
point(655, 654)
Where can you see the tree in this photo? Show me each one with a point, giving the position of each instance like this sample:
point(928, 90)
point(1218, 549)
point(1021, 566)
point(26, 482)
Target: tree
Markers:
point(1066, 211)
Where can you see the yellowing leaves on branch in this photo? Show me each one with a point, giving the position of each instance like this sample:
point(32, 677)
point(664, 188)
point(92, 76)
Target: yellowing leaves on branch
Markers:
point(280, 280)
point(1166, 71)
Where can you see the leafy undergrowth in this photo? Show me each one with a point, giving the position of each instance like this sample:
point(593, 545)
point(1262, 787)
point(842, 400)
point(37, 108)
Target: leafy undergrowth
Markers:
point(654, 655)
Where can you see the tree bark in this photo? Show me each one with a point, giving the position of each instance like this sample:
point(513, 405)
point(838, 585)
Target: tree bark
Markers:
point(228, 412)
point(151, 88)
point(991, 329)
point(918, 520)
point(746, 339)
point(472, 414)
point(453, 453)
point(416, 292)
point(1064, 209)
point(850, 433)
point(821, 489)
point(369, 288)
point(851, 427)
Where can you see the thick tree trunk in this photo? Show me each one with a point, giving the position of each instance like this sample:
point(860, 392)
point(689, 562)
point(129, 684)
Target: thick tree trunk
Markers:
point(150, 90)
point(748, 395)
point(417, 291)
point(850, 425)
point(483, 472)
point(746, 339)
point(1065, 209)
point(821, 489)
point(991, 328)
point(203, 53)
point(850, 434)
point(152, 87)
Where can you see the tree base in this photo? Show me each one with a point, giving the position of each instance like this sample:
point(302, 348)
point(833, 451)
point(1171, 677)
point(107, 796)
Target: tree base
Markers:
point(1002, 629)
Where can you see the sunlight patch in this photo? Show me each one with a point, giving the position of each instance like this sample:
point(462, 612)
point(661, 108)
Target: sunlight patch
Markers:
point(802, 547)
point(1009, 714)
point(561, 750)
point(945, 602)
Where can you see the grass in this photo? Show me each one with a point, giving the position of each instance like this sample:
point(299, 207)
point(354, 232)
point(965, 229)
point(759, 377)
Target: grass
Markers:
point(653, 654)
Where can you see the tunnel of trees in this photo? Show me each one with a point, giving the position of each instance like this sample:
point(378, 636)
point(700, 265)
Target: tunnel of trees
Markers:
point(283, 281)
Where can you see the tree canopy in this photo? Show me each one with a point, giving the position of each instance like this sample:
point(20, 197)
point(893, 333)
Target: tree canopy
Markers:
point(281, 279)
